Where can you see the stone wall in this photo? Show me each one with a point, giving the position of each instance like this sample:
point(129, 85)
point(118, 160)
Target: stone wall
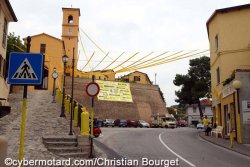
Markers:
point(146, 101)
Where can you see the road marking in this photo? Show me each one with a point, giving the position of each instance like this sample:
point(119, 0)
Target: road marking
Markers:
point(189, 163)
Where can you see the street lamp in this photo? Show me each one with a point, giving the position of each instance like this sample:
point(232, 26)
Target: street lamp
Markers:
point(54, 76)
point(237, 85)
point(72, 94)
point(65, 59)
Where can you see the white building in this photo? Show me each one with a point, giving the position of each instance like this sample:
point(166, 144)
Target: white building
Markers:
point(193, 114)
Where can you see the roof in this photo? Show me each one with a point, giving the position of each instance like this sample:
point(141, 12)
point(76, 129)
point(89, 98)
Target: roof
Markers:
point(226, 10)
point(11, 10)
point(73, 9)
point(204, 102)
point(45, 35)
point(102, 71)
point(242, 70)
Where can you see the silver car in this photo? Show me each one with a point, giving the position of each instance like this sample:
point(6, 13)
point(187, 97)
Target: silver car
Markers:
point(109, 122)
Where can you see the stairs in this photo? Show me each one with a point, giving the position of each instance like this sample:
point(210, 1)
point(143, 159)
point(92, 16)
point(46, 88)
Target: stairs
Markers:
point(64, 146)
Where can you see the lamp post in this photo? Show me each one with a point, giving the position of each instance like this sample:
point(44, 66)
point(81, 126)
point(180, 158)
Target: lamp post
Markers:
point(65, 59)
point(72, 94)
point(237, 86)
point(54, 76)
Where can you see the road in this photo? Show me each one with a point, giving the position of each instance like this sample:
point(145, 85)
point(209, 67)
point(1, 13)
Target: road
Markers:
point(183, 144)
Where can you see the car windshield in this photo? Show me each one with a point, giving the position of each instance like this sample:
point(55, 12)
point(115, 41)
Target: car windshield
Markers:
point(168, 119)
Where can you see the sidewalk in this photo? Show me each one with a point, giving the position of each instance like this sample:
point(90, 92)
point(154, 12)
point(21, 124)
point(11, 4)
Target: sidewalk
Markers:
point(42, 119)
point(240, 148)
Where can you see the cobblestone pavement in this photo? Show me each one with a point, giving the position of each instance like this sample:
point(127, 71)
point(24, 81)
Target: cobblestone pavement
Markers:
point(42, 119)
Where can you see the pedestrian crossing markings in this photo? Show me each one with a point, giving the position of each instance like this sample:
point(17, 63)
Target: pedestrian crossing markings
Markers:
point(25, 71)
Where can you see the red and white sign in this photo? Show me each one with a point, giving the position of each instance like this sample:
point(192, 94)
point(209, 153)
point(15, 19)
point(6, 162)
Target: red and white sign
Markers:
point(92, 89)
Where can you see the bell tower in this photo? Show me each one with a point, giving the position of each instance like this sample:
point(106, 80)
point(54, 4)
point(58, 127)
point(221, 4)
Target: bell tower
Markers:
point(70, 30)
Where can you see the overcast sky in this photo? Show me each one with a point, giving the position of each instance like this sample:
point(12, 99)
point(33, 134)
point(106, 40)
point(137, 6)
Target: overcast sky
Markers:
point(128, 26)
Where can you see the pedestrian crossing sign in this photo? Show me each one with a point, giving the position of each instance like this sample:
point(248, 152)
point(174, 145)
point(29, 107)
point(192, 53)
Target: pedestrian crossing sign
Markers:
point(25, 68)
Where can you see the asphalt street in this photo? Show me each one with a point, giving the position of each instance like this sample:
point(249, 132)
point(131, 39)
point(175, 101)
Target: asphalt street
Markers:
point(182, 144)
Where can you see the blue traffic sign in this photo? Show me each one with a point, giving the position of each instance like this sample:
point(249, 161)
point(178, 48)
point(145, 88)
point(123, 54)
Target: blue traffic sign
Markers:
point(25, 68)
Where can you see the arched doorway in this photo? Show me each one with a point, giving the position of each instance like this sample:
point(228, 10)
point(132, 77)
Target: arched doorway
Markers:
point(44, 85)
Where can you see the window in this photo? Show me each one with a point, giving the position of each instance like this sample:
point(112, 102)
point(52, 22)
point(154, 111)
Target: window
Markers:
point(218, 75)
point(4, 33)
point(216, 42)
point(137, 78)
point(43, 48)
point(203, 110)
point(4, 69)
point(70, 19)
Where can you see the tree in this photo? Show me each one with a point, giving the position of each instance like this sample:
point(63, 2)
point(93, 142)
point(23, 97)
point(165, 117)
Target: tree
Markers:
point(196, 84)
point(14, 44)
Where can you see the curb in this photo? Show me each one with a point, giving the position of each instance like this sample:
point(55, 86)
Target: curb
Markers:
point(223, 146)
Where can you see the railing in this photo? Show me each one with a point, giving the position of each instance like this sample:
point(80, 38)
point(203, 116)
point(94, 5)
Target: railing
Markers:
point(77, 108)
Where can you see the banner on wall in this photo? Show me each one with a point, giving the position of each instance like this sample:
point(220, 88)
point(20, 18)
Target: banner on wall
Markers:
point(114, 91)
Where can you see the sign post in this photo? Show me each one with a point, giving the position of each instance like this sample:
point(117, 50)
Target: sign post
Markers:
point(92, 90)
point(25, 69)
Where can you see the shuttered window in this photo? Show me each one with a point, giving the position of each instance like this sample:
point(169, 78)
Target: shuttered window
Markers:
point(4, 33)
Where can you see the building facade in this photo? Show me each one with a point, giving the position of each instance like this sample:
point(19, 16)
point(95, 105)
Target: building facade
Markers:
point(193, 113)
point(7, 15)
point(54, 48)
point(229, 33)
point(137, 77)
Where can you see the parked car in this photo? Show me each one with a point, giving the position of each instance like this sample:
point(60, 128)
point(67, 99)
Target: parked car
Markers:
point(142, 124)
point(109, 122)
point(181, 123)
point(99, 122)
point(117, 122)
point(163, 121)
point(132, 123)
point(123, 123)
point(199, 126)
point(170, 122)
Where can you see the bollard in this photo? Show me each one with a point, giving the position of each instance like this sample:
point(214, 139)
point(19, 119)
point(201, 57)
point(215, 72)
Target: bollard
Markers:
point(84, 122)
point(76, 115)
point(232, 138)
point(3, 150)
